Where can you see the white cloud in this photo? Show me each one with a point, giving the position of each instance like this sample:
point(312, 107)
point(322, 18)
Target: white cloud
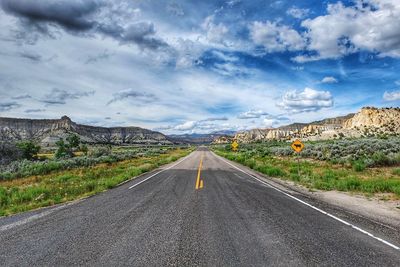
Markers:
point(298, 13)
point(252, 114)
point(307, 100)
point(201, 126)
point(275, 38)
point(329, 79)
point(189, 125)
point(214, 32)
point(391, 96)
point(230, 69)
point(344, 30)
point(269, 123)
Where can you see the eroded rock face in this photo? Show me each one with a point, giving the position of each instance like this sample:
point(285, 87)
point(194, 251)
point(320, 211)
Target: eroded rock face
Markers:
point(47, 132)
point(388, 119)
point(368, 121)
point(223, 140)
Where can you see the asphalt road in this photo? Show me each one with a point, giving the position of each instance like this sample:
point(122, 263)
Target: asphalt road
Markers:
point(162, 219)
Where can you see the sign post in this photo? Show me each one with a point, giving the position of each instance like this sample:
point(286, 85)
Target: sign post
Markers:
point(297, 146)
point(235, 145)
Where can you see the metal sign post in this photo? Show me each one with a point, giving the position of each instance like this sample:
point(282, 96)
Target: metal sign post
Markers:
point(297, 146)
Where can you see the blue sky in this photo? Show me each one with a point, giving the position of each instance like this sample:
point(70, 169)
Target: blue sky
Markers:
point(197, 66)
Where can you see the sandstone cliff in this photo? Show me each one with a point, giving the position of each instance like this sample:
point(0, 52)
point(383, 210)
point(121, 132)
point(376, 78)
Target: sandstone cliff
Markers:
point(47, 132)
point(386, 119)
point(368, 121)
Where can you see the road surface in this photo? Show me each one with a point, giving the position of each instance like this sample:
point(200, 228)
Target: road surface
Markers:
point(159, 219)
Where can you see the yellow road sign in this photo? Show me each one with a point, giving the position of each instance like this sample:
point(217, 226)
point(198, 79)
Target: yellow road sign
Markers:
point(297, 146)
point(235, 145)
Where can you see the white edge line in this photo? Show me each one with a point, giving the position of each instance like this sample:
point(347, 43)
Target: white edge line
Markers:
point(315, 208)
point(36, 216)
point(151, 176)
point(51, 210)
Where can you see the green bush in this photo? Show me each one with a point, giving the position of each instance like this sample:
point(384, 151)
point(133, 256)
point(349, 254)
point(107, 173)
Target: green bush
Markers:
point(358, 165)
point(29, 149)
point(100, 151)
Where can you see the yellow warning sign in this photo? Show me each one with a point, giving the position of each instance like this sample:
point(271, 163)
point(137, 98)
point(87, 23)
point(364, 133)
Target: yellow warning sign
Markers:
point(297, 146)
point(235, 145)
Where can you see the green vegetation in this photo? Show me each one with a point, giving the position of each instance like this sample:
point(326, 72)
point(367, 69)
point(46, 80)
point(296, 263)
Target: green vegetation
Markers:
point(29, 149)
point(60, 185)
point(365, 165)
point(97, 155)
point(66, 149)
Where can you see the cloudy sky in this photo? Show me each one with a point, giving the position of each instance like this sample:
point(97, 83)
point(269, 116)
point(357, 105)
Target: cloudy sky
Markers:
point(197, 66)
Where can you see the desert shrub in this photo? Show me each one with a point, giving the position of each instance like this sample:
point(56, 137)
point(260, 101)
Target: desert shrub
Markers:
point(98, 155)
point(9, 152)
point(100, 151)
point(373, 151)
point(84, 148)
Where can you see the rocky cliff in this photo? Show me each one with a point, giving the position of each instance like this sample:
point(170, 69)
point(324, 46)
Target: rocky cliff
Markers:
point(47, 132)
point(368, 121)
point(385, 119)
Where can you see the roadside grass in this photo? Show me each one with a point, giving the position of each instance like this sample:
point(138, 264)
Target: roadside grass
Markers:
point(33, 192)
point(26, 168)
point(396, 172)
point(323, 175)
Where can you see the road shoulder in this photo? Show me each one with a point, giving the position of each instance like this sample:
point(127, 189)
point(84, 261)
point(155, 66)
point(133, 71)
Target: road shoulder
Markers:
point(385, 213)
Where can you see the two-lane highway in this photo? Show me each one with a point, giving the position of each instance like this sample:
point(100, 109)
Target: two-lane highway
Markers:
point(200, 211)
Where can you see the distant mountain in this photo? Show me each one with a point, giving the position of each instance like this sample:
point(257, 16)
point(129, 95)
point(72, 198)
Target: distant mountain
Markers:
point(196, 138)
point(47, 132)
point(224, 132)
point(369, 121)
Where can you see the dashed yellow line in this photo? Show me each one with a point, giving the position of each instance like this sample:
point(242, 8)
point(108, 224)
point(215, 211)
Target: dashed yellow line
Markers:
point(199, 181)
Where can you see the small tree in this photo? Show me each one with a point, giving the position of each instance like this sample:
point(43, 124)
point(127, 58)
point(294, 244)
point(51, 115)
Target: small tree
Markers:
point(67, 149)
point(29, 149)
point(62, 150)
point(73, 141)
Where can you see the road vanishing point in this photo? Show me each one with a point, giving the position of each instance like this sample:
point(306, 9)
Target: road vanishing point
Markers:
point(199, 211)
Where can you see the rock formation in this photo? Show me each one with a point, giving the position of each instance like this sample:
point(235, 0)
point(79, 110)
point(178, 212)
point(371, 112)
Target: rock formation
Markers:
point(47, 132)
point(368, 121)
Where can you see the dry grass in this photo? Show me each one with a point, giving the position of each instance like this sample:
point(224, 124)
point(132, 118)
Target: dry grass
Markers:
point(32, 192)
point(324, 175)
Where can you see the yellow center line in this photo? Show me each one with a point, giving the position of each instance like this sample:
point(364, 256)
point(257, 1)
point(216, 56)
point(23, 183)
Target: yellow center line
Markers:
point(199, 182)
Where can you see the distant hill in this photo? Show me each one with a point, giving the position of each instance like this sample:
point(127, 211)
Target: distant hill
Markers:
point(47, 132)
point(369, 121)
point(199, 138)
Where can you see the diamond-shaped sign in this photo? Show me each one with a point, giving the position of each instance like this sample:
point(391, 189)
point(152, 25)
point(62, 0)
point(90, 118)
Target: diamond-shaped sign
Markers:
point(297, 146)
point(235, 145)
